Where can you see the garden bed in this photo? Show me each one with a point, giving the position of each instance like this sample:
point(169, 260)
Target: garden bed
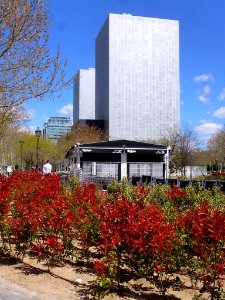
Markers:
point(77, 280)
point(130, 242)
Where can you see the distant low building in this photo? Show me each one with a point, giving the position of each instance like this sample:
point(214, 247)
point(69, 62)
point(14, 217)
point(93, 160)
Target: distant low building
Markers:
point(191, 171)
point(57, 127)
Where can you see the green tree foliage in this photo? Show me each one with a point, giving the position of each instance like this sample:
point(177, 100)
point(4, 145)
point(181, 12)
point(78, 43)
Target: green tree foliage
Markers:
point(47, 150)
point(9, 130)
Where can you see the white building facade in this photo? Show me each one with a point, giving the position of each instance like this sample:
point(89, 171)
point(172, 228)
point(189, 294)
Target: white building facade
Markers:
point(84, 95)
point(137, 87)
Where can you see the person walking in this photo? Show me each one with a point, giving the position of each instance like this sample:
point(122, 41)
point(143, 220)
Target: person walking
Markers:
point(9, 170)
point(47, 168)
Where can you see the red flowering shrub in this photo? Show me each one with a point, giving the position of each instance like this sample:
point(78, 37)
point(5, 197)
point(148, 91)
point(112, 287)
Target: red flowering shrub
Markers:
point(4, 208)
point(100, 267)
point(40, 214)
point(4, 196)
point(137, 236)
point(50, 249)
point(204, 229)
point(125, 227)
point(141, 193)
point(219, 175)
point(177, 196)
point(86, 206)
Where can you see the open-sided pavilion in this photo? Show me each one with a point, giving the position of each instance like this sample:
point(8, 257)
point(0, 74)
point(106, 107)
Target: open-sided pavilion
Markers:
point(120, 158)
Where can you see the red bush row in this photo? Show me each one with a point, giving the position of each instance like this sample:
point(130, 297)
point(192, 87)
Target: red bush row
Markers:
point(39, 217)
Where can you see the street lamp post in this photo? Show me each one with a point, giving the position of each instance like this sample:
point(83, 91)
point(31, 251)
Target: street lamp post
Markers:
point(21, 154)
point(38, 135)
point(217, 165)
point(1, 133)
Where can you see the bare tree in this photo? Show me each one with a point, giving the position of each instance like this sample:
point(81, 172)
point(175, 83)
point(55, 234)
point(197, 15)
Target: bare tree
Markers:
point(216, 149)
point(183, 144)
point(10, 120)
point(81, 133)
point(27, 70)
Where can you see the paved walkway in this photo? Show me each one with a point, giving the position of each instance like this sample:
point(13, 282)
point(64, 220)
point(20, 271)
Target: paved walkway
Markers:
point(12, 291)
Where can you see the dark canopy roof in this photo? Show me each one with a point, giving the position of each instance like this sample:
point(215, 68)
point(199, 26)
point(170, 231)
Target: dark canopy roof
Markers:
point(121, 144)
point(108, 146)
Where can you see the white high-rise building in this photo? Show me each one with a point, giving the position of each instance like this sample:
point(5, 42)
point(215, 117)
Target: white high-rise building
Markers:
point(137, 77)
point(84, 95)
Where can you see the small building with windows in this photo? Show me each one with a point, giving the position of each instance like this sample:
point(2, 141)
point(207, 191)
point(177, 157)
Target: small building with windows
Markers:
point(56, 127)
point(120, 158)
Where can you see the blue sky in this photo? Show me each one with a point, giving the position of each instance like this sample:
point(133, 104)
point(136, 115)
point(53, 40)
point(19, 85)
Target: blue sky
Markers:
point(76, 23)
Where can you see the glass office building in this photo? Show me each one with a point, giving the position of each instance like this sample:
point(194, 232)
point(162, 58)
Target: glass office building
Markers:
point(84, 95)
point(137, 77)
point(57, 127)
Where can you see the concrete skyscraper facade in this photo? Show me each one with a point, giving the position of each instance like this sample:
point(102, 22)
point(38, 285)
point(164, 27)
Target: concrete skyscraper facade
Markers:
point(137, 77)
point(84, 95)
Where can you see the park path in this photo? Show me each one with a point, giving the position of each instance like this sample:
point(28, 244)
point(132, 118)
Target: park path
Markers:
point(12, 291)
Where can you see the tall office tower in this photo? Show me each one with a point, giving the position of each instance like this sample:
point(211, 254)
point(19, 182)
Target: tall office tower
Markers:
point(137, 77)
point(56, 127)
point(84, 95)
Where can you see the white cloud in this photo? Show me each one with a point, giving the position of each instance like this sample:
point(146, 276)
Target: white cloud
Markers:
point(66, 109)
point(222, 95)
point(219, 113)
point(207, 128)
point(203, 121)
point(205, 131)
point(28, 128)
point(206, 90)
point(203, 99)
point(204, 78)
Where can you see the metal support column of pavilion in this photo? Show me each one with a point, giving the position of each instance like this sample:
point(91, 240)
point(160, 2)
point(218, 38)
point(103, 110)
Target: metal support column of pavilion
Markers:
point(167, 161)
point(124, 163)
point(77, 156)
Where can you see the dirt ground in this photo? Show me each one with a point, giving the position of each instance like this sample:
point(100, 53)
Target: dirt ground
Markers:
point(75, 280)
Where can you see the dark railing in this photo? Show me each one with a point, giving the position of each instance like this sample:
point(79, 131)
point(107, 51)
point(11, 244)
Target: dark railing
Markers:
point(135, 180)
point(103, 182)
point(221, 184)
point(172, 181)
point(182, 183)
point(159, 180)
point(146, 179)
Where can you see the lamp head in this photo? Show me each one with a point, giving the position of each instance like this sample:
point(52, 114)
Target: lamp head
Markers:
point(38, 132)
